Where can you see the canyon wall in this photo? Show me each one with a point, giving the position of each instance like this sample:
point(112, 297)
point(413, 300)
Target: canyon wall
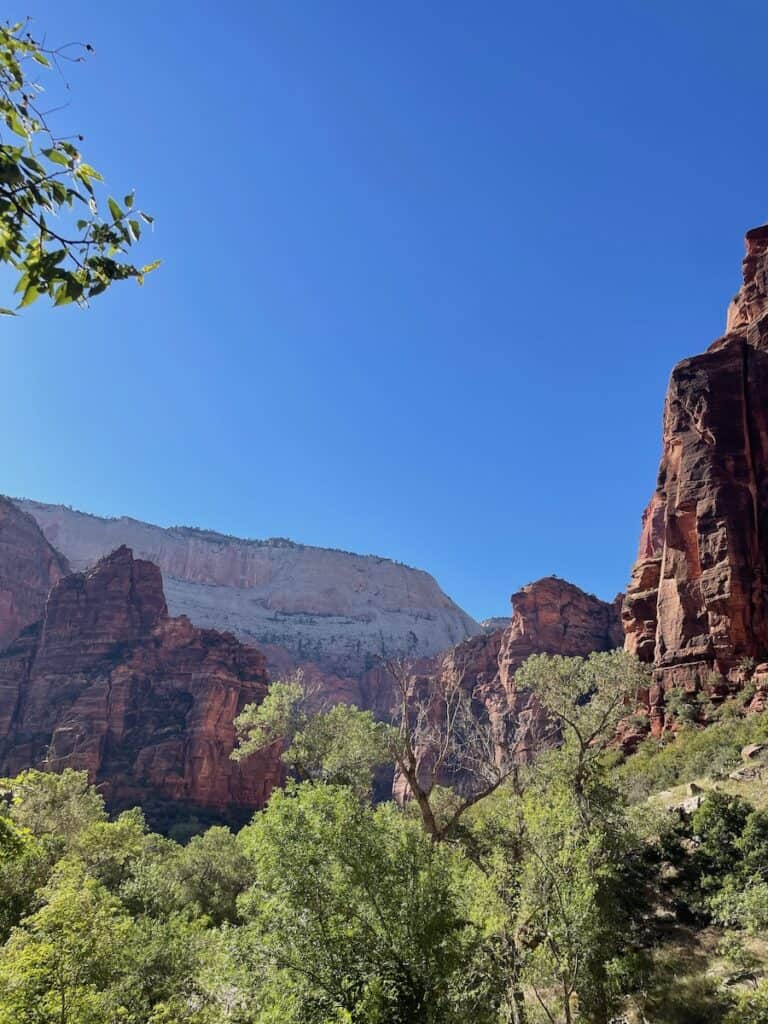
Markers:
point(550, 616)
point(29, 567)
point(109, 683)
point(340, 611)
point(697, 605)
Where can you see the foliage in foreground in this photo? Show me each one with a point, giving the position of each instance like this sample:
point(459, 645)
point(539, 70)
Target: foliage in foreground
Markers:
point(53, 232)
point(544, 905)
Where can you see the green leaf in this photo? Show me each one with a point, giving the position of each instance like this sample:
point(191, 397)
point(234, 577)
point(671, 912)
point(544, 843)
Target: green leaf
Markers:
point(29, 296)
point(85, 171)
point(55, 156)
point(151, 266)
point(146, 218)
point(15, 124)
point(114, 209)
point(41, 59)
point(7, 312)
point(128, 200)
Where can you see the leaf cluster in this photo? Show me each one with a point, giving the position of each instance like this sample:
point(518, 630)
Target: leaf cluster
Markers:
point(54, 232)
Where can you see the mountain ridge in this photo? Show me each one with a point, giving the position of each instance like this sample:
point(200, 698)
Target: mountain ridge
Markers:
point(340, 609)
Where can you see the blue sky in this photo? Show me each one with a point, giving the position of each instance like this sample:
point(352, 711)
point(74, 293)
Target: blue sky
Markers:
point(427, 268)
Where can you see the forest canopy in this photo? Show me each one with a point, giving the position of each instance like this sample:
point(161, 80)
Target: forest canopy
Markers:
point(545, 902)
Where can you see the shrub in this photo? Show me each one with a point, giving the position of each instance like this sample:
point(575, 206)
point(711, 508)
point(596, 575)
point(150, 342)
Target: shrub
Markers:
point(690, 754)
point(751, 1006)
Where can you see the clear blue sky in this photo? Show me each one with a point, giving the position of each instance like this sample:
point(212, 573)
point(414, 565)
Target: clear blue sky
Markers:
point(427, 267)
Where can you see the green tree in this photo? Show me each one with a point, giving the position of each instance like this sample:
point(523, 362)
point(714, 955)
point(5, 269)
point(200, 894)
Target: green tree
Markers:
point(718, 825)
point(48, 812)
point(110, 850)
point(53, 232)
point(212, 871)
point(585, 699)
point(59, 965)
point(576, 900)
point(578, 890)
point(341, 744)
point(52, 806)
point(353, 914)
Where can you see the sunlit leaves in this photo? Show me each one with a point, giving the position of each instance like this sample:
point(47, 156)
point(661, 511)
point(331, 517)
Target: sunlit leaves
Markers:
point(52, 231)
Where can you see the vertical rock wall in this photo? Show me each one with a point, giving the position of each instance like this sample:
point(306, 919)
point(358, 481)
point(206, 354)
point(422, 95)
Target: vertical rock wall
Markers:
point(697, 604)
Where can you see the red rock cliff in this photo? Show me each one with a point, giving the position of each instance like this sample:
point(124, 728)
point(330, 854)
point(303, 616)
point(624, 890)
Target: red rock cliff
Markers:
point(29, 567)
point(108, 683)
point(697, 603)
point(550, 616)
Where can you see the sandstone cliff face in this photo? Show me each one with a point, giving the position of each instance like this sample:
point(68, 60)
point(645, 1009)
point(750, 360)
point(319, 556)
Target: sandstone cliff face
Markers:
point(107, 682)
point(697, 603)
point(338, 610)
point(550, 616)
point(29, 567)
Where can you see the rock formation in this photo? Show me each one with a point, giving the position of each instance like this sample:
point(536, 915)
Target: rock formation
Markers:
point(697, 605)
point(340, 611)
point(550, 616)
point(107, 682)
point(29, 567)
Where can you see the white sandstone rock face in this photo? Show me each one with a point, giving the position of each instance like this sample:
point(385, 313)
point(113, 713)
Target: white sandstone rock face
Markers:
point(341, 610)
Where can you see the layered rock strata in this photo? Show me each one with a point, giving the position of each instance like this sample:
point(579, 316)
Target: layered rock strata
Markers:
point(29, 567)
point(697, 605)
point(109, 683)
point(340, 611)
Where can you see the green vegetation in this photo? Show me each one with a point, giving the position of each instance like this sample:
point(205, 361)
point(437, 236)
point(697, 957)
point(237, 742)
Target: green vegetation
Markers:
point(528, 896)
point(691, 753)
point(53, 233)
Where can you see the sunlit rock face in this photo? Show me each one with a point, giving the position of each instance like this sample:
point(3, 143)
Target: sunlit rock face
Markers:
point(109, 683)
point(697, 604)
point(341, 611)
point(29, 567)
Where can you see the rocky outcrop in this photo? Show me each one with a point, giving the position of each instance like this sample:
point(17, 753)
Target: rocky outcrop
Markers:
point(29, 567)
point(341, 611)
point(108, 683)
point(697, 605)
point(495, 623)
point(550, 616)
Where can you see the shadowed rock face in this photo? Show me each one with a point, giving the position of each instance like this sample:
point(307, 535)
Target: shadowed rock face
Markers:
point(29, 567)
point(697, 603)
point(106, 682)
point(550, 616)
